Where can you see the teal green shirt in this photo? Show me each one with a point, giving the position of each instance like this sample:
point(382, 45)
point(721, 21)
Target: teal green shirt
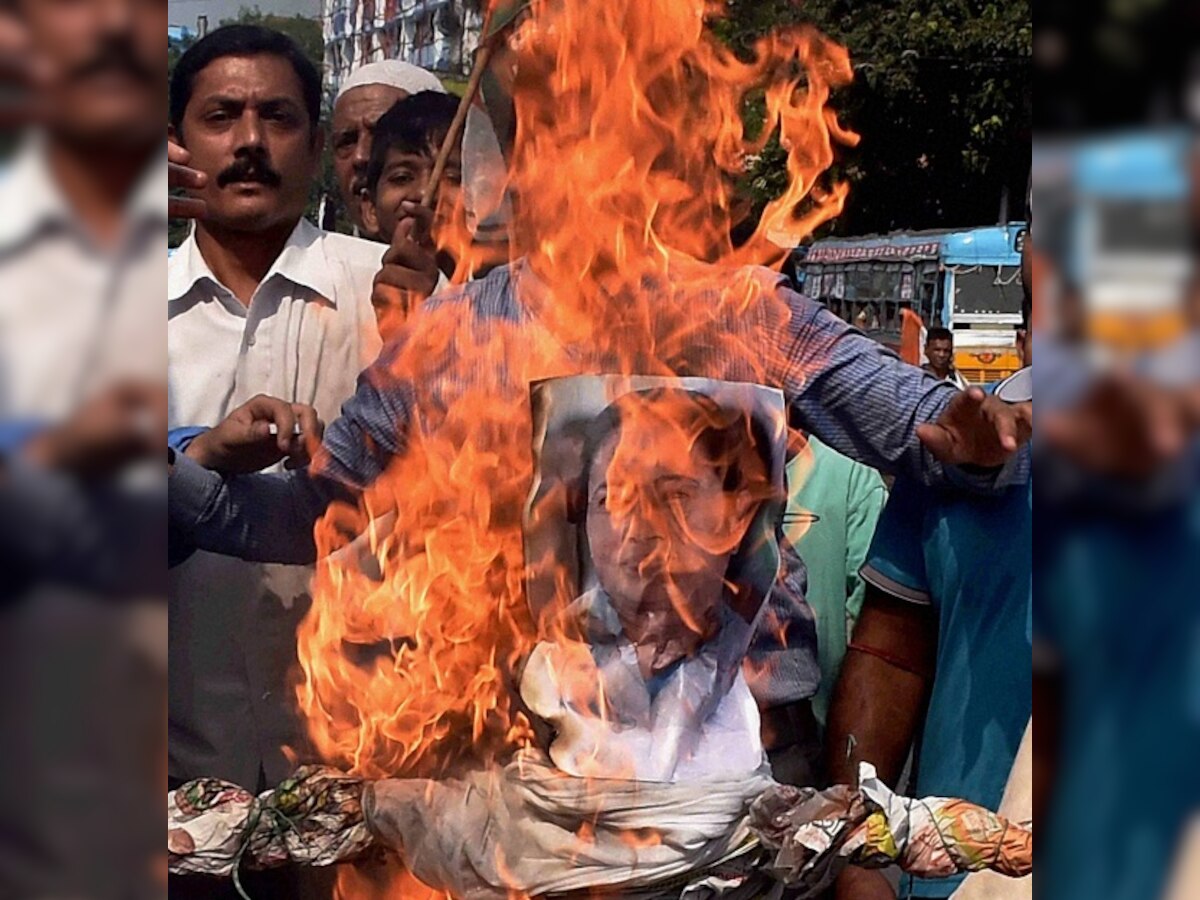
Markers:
point(833, 506)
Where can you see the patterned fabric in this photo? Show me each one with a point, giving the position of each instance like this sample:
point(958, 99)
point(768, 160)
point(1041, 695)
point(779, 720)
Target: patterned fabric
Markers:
point(814, 834)
point(315, 817)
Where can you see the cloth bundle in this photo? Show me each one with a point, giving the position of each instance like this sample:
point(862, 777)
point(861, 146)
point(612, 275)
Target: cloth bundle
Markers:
point(814, 835)
point(314, 818)
point(529, 827)
point(533, 829)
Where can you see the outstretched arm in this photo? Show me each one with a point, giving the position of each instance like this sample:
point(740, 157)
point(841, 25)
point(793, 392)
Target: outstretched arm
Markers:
point(862, 400)
point(214, 504)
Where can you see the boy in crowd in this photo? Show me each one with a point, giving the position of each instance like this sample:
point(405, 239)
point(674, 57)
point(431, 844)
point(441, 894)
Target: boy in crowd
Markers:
point(406, 144)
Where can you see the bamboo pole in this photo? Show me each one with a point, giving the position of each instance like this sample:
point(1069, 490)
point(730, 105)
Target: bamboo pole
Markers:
point(482, 58)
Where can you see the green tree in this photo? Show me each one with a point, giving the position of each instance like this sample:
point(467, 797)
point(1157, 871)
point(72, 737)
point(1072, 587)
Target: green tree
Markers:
point(303, 30)
point(942, 99)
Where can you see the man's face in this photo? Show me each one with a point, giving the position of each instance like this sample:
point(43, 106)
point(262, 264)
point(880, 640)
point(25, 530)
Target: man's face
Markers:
point(941, 353)
point(354, 118)
point(662, 528)
point(247, 128)
point(402, 180)
point(106, 66)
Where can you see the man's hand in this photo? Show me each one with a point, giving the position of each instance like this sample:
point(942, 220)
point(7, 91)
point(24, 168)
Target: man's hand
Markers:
point(976, 429)
point(246, 441)
point(863, 884)
point(410, 271)
point(180, 176)
point(1126, 426)
point(121, 425)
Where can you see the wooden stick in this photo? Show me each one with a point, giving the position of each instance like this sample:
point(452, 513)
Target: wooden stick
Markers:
point(456, 125)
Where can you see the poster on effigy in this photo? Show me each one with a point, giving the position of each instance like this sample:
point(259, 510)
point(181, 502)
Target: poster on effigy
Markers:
point(651, 550)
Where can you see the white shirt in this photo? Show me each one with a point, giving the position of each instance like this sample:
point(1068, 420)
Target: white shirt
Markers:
point(307, 332)
point(75, 316)
point(697, 725)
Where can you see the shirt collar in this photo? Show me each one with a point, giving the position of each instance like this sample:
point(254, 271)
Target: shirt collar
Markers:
point(149, 201)
point(33, 201)
point(29, 196)
point(302, 262)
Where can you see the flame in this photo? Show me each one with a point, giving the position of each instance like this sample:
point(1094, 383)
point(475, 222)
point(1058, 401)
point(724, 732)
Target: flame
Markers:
point(629, 145)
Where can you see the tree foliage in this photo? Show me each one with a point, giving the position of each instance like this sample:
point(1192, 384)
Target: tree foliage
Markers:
point(305, 31)
point(942, 99)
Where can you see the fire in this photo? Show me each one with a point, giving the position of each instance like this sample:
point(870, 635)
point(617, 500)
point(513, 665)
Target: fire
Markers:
point(629, 144)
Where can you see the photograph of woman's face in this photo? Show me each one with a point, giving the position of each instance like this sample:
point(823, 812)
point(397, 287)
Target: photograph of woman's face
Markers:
point(663, 518)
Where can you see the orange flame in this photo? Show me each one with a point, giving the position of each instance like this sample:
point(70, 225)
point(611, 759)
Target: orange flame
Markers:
point(629, 145)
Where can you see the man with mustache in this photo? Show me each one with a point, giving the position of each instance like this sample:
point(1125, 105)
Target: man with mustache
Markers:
point(260, 301)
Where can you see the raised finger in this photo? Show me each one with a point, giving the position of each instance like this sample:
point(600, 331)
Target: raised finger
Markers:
point(421, 218)
point(181, 176)
point(177, 154)
point(1004, 421)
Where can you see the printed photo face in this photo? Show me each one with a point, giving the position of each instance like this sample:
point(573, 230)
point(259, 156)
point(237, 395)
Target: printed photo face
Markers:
point(671, 488)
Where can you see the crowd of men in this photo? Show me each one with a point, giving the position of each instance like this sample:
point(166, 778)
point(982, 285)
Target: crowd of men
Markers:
point(922, 597)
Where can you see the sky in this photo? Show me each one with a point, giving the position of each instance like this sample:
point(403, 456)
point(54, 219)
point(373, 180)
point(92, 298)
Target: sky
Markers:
point(184, 12)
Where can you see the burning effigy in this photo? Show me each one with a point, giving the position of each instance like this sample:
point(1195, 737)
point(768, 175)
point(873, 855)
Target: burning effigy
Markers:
point(651, 547)
point(524, 661)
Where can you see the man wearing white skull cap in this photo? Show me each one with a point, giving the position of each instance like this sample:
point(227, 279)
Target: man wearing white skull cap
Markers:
point(364, 96)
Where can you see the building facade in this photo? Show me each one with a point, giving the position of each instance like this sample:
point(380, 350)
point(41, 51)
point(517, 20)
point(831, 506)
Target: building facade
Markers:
point(439, 35)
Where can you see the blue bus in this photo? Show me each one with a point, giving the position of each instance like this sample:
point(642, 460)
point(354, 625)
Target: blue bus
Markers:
point(968, 280)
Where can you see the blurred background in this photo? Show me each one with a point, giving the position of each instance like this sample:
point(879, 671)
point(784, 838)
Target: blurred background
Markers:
point(1117, 613)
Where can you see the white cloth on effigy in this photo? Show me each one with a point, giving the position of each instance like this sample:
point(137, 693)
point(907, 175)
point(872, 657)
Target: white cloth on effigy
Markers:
point(696, 721)
point(531, 828)
point(643, 783)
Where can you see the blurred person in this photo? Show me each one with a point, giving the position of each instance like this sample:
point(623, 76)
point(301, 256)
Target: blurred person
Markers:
point(941, 649)
point(259, 301)
point(1117, 687)
point(82, 405)
point(939, 351)
point(407, 140)
point(363, 98)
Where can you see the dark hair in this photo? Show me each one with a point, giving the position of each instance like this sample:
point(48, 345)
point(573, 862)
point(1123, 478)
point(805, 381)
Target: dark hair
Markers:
point(242, 40)
point(938, 333)
point(724, 436)
point(416, 124)
point(1027, 310)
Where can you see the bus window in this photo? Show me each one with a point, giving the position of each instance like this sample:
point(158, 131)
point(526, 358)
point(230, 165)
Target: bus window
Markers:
point(987, 290)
